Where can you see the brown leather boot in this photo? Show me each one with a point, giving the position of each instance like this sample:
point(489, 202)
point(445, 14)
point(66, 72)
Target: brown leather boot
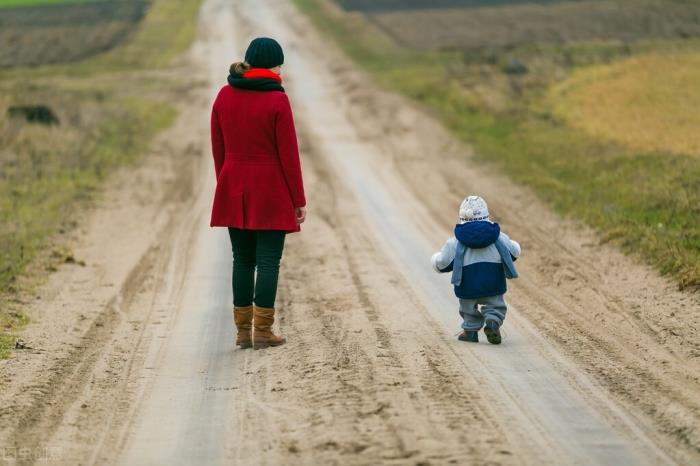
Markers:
point(262, 332)
point(243, 316)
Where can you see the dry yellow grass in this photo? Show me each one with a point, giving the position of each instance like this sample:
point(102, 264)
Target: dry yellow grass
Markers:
point(649, 103)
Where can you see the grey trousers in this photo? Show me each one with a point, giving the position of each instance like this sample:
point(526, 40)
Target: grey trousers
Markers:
point(476, 311)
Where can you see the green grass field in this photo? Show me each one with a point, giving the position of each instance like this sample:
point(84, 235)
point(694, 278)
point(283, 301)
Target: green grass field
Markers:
point(109, 110)
point(16, 3)
point(643, 197)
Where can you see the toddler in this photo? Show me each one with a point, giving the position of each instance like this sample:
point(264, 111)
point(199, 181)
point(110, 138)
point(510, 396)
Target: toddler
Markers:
point(480, 258)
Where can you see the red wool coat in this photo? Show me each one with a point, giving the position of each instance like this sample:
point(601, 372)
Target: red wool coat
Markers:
point(256, 158)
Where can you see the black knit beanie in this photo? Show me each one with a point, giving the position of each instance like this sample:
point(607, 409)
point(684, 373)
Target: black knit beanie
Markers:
point(264, 52)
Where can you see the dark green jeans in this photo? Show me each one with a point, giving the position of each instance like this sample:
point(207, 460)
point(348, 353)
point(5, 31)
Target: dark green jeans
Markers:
point(253, 251)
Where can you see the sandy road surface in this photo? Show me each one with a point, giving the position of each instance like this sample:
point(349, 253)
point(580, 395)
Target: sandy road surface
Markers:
point(134, 360)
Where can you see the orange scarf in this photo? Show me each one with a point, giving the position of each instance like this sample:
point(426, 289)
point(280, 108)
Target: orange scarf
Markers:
point(262, 73)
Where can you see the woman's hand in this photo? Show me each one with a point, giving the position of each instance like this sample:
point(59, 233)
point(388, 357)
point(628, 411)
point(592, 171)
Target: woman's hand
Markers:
point(300, 213)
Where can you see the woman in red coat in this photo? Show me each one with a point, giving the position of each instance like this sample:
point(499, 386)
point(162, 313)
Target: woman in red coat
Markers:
point(259, 189)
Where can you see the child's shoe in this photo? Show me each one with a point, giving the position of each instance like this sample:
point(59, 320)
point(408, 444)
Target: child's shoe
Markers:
point(492, 331)
point(471, 336)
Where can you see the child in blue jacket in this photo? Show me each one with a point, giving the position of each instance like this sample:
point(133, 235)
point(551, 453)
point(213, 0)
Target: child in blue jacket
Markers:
point(480, 257)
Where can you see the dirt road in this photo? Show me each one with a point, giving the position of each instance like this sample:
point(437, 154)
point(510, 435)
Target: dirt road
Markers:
point(133, 359)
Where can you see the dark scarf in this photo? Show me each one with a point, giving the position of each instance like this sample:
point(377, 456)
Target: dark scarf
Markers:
point(256, 79)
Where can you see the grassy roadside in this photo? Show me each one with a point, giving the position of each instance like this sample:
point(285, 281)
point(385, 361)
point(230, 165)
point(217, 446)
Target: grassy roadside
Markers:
point(646, 201)
point(14, 3)
point(109, 107)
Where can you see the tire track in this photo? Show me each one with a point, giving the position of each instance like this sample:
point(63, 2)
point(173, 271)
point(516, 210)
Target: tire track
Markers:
point(375, 397)
point(91, 384)
point(617, 320)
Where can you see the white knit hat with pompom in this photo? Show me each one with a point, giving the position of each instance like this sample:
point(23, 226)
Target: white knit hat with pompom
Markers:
point(473, 209)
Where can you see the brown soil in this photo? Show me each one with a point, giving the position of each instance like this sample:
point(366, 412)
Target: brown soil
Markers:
point(516, 23)
point(39, 35)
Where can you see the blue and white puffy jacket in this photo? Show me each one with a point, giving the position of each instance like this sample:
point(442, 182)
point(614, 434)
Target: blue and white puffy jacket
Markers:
point(483, 268)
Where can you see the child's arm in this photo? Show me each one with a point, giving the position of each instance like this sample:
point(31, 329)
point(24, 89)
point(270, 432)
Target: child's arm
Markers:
point(513, 246)
point(443, 259)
